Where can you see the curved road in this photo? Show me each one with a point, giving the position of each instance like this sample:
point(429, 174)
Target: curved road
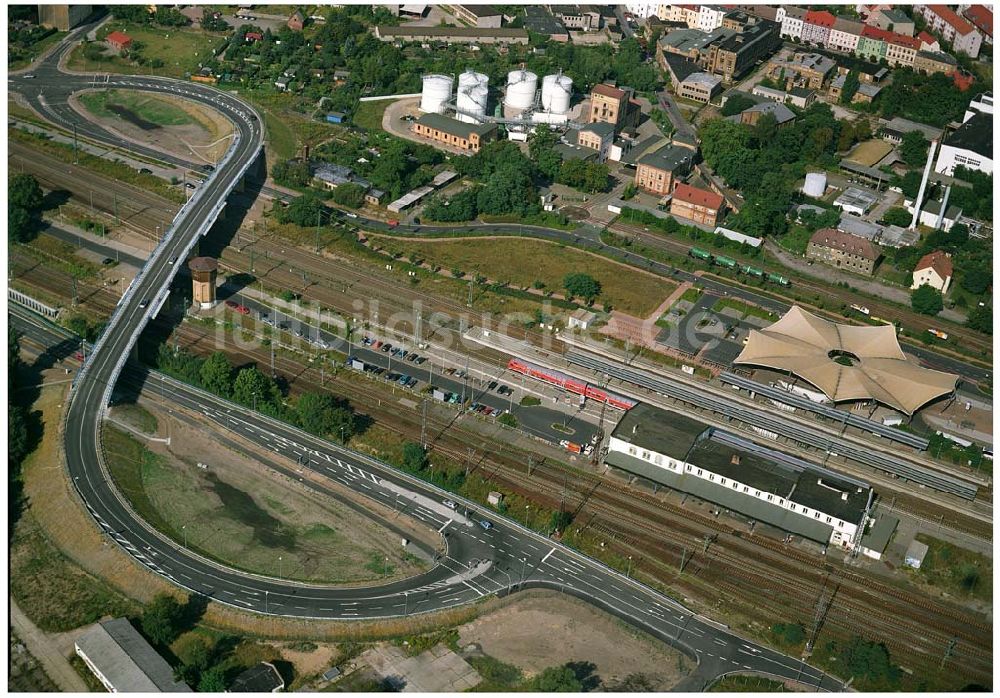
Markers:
point(475, 561)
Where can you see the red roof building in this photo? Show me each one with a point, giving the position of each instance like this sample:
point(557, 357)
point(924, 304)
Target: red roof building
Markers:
point(949, 16)
point(934, 269)
point(820, 18)
point(695, 204)
point(982, 18)
point(253, 36)
point(118, 40)
point(296, 21)
point(928, 42)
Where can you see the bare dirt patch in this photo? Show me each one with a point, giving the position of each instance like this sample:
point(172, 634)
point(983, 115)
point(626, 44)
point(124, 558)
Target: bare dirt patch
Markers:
point(543, 629)
point(204, 138)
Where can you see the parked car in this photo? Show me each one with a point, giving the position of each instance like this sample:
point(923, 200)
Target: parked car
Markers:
point(386, 348)
point(492, 385)
point(233, 304)
point(450, 504)
point(420, 359)
point(377, 344)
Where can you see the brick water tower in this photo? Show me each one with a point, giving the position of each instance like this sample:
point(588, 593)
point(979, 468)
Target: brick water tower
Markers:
point(203, 273)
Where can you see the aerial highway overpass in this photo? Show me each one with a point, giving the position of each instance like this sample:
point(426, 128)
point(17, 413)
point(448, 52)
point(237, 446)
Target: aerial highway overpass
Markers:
point(476, 560)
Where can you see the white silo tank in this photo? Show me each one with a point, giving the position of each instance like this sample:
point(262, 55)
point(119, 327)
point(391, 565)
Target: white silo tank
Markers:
point(556, 93)
point(436, 93)
point(815, 185)
point(471, 78)
point(471, 103)
point(521, 88)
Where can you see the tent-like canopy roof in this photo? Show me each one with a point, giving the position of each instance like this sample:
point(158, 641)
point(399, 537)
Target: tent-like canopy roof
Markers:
point(846, 362)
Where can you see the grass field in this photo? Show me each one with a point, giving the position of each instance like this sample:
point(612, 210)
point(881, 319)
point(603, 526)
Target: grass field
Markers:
point(180, 50)
point(369, 114)
point(253, 521)
point(522, 262)
point(743, 308)
point(955, 570)
point(52, 591)
point(109, 103)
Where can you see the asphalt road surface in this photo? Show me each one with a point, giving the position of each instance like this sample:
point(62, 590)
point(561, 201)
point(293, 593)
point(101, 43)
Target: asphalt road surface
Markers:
point(477, 562)
point(477, 558)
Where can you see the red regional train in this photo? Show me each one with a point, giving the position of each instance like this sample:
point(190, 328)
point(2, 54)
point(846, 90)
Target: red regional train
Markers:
point(571, 384)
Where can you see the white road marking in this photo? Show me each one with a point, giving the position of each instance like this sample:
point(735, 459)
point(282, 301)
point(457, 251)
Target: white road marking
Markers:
point(547, 554)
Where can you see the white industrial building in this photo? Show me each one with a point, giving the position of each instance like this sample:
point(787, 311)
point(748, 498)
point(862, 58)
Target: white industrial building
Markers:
point(760, 483)
point(856, 201)
point(969, 146)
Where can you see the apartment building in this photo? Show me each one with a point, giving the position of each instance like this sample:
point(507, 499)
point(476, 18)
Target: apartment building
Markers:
point(981, 17)
point(614, 105)
point(843, 250)
point(808, 70)
point(733, 56)
point(710, 17)
point(892, 20)
point(656, 172)
point(695, 204)
point(844, 35)
point(597, 136)
point(816, 26)
point(934, 269)
point(701, 87)
point(479, 16)
point(958, 30)
point(791, 20)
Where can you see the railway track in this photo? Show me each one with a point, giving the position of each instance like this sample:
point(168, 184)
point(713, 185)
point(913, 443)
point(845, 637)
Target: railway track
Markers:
point(914, 321)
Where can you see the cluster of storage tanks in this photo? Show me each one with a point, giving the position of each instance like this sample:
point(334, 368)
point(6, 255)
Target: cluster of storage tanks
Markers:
point(521, 96)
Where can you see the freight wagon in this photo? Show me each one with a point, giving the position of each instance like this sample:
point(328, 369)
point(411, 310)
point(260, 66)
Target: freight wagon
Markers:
point(745, 269)
point(570, 384)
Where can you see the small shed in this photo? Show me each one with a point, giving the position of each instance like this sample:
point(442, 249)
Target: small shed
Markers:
point(260, 678)
point(335, 117)
point(874, 543)
point(494, 498)
point(915, 554)
point(581, 318)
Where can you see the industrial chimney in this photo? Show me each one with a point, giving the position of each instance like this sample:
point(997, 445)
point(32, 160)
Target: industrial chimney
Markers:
point(918, 202)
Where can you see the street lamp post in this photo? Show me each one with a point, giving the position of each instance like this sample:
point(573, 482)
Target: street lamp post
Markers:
point(279, 567)
point(265, 600)
point(406, 602)
point(628, 571)
point(184, 528)
point(524, 563)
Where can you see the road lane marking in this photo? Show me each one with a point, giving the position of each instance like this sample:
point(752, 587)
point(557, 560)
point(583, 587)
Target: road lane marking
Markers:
point(548, 554)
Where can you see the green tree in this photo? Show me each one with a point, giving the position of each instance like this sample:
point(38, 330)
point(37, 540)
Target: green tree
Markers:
point(556, 679)
point(350, 194)
point(23, 191)
point(579, 285)
point(789, 634)
point(541, 150)
point(291, 173)
point(981, 319)
point(304, 210)
point(212, 681)
point(250, 382)
point(851, 85)
point(977, 279)
point(324, 415)
point(914, 148)
point(926, 300)
point(161, 619)
point(414, 456)
point(897, 216)
point(217, 374)
point(20, 224)
point(507, 419)
point(736, 104)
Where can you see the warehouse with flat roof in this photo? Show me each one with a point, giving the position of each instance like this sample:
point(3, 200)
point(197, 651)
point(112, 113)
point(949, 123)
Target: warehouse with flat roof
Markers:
point(124, 662)
point(758, 482)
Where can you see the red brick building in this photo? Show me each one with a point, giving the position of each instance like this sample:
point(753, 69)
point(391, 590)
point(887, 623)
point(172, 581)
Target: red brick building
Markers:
point(296, 21)
point(695, 204)
point(119, 41)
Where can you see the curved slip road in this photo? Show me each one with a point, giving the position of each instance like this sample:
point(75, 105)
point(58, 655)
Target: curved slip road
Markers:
point(477, 561)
